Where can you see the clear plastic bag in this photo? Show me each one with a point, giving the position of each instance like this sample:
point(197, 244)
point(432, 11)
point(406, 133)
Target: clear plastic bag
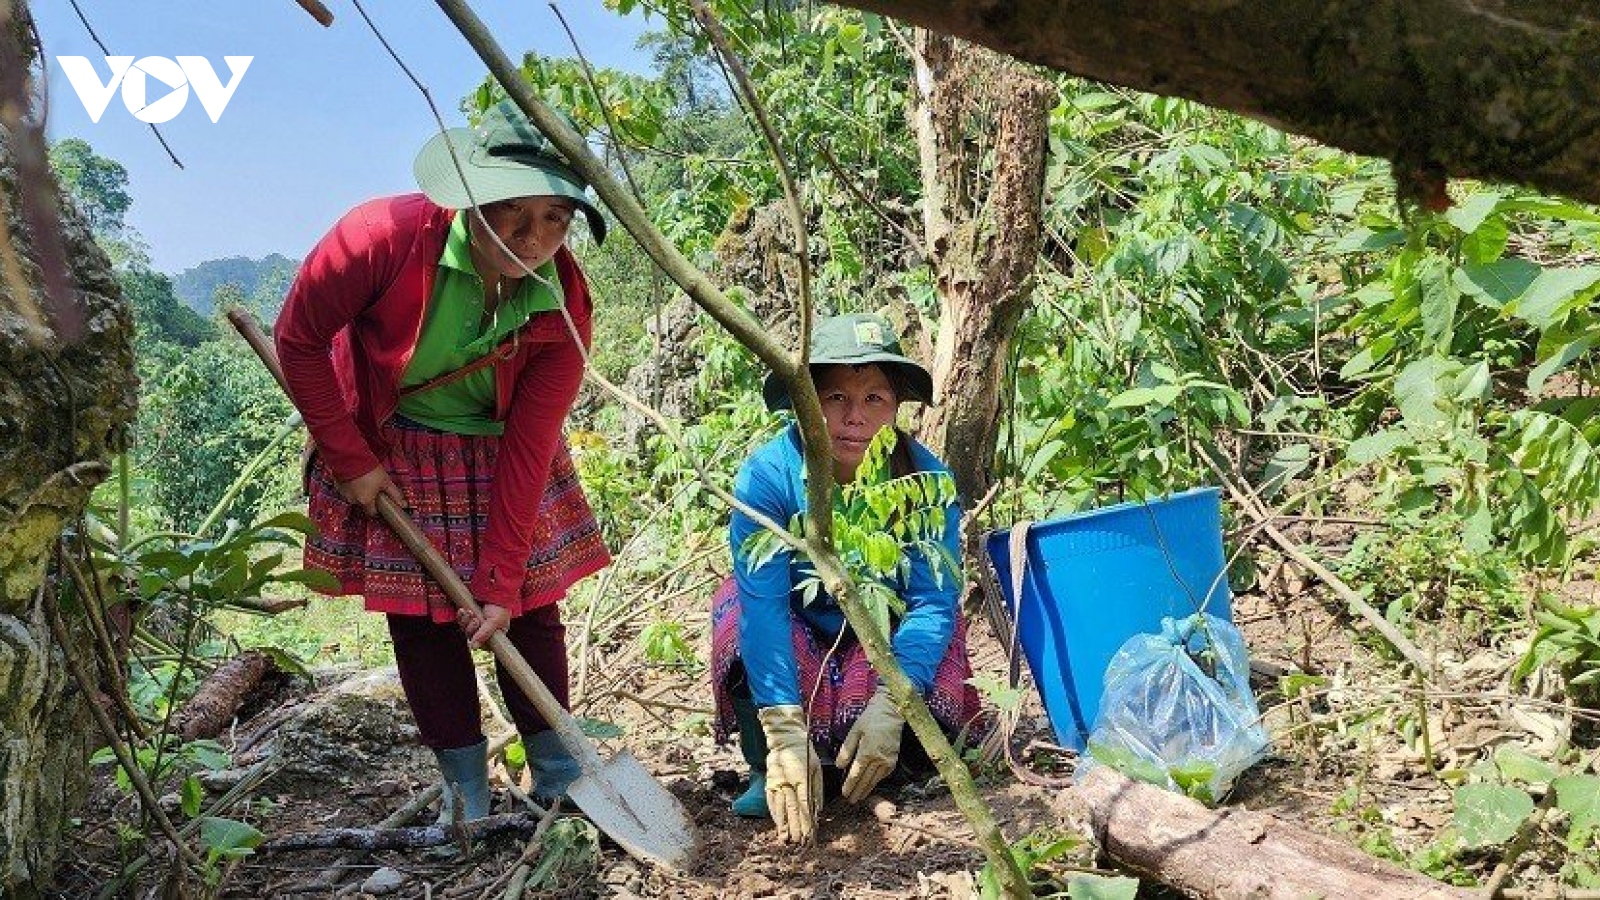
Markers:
point(1177, 710)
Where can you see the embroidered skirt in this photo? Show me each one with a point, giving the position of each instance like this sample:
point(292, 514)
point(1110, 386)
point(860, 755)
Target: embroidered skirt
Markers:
point(848, 680)
point(446, 479)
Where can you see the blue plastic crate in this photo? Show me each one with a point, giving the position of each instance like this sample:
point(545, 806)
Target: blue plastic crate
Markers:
point(1096, 578)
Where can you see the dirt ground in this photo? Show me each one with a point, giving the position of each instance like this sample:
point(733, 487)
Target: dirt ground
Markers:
point(342, 752)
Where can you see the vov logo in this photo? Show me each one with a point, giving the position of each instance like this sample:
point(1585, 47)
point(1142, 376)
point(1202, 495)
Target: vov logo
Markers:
point(134, 78)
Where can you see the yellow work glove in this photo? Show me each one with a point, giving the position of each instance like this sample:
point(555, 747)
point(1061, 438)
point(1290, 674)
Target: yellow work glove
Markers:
point(872, 747)
point(794, 774)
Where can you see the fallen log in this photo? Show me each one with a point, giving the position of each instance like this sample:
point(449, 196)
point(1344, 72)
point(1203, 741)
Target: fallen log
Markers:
point(220, 696)
point(1223, 854)
point(399, 838)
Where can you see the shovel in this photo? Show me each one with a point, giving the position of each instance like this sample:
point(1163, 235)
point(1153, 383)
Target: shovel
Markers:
point(619, 796)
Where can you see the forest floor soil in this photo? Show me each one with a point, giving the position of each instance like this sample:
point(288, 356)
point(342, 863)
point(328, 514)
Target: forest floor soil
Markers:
point(344, 754)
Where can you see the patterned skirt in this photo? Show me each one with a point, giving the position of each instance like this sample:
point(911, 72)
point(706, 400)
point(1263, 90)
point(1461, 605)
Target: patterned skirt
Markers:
point(446, 479)
point(848, 681)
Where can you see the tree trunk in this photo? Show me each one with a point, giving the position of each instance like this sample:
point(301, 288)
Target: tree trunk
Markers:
point(1233, 854)
point(982, 225)
point(1501, 90)
point(65, 399)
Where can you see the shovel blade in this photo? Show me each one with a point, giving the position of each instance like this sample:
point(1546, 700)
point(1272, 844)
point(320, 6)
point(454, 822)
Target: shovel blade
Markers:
point(629, 806)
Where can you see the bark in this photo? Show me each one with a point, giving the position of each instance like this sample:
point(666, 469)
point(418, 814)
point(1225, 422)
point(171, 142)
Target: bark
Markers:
point(218, 700)
point(1500, 90)
point(982, 227)
point(66, 396)
point(1224, 854)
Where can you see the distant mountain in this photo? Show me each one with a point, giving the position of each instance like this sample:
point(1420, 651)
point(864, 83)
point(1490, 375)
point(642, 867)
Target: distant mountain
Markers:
point(261, 283)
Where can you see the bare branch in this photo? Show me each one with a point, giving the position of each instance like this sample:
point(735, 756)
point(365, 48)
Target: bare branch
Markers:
point(600, 102)
point(319, 12)
point(818, 454)
point(883, 214)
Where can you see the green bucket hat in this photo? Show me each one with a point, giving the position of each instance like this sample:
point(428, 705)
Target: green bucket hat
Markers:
point(504, 157)
point(853, 340)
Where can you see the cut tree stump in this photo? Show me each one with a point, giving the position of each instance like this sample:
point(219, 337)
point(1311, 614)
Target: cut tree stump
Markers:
point(1223, 854)
point(219, 698)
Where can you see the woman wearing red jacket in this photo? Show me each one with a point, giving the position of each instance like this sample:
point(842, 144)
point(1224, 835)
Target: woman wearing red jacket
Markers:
point(435, 355)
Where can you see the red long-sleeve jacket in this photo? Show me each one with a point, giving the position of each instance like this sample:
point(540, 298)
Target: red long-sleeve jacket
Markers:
point(348, 329)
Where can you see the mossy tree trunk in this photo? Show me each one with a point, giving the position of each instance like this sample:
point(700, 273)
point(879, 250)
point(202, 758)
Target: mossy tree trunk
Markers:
point(66, 398)
point(1500, 91)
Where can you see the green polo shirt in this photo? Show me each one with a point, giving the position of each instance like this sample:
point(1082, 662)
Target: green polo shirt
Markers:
point(455, 332)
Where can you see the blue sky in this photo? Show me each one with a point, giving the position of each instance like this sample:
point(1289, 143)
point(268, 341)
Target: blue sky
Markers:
point(321, 120)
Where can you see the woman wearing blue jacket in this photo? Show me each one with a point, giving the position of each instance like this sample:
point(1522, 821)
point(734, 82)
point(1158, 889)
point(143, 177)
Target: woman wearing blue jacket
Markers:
point(788, 675)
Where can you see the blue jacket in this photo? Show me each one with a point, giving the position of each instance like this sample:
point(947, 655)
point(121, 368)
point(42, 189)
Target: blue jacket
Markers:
point(771, 481)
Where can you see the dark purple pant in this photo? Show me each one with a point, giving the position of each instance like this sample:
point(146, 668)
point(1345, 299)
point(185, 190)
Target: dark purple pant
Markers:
point(436, 673)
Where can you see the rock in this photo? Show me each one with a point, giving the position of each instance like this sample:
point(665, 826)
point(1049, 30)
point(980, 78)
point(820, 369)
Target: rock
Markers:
point(383, 881)
point(360, 725)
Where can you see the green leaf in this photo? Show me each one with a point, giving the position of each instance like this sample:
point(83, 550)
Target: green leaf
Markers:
point(1439, 300)
point(1159, 396)
point(1519, 765)
point(1365, 239)
point(598, 729)
point(852, 39)
point(1472, 384)
point(1284, 465)
point(1359, 364)
point(1579, 795)
point(760, 548)
point(294, 521)
point(191, 793)
point(1550, 207)
point(1101, 887)
point(1489, 814)
point(1497, 283)
point(285, 660)
point(1488, 243)
point(1545, 300)
point(1559, 360)
point(316, 579)
point(1419, 390)
point(1471, 214)
point(228, 837)
point(1368, 357)
point(208, 755)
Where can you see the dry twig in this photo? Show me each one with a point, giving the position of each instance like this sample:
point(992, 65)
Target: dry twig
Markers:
point(1253, 508)
point(58, 631)
point(319, 12)
point(396, 838)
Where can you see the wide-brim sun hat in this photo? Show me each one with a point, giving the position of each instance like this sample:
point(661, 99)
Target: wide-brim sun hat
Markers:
point(857, 339)
point(503, 158)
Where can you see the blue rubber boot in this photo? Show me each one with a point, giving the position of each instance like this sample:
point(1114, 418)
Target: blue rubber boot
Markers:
point(466, 778)
point(753, 745)
point(554, 769)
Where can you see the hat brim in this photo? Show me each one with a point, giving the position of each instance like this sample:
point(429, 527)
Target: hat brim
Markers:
point(917, 380)
point(489, 179)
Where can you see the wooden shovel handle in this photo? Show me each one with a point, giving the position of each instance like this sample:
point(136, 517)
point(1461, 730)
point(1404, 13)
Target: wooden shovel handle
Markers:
point(434, 563)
